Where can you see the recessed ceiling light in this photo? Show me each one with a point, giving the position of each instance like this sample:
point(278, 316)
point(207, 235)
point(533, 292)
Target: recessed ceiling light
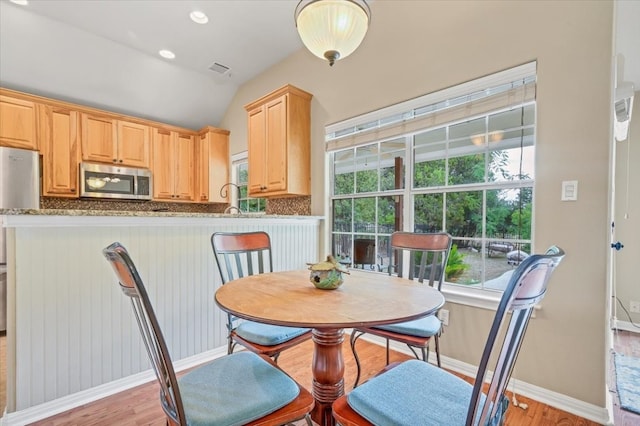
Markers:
point(20, 2)
point(167, 54)
point(199, 17)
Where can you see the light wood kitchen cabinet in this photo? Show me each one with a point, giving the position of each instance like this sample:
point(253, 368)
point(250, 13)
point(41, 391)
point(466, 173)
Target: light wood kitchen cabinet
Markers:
point(18, 123)
point(60, 153)
point(279, 128)
point(108, 140)
point(173, 166)
point(213, 165)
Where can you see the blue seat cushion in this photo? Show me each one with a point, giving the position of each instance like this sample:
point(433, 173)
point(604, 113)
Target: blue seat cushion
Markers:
point(266, 334)
point(416, 393)
point(234, 390)
point(422, 327)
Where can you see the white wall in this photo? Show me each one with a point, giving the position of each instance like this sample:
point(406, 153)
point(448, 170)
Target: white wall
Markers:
point(414, 48)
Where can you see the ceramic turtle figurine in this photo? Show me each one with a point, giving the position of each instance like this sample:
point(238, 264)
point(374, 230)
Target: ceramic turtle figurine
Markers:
point(327, 275)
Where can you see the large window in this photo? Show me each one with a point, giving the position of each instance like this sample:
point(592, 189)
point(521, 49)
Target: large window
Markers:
point(471, 176)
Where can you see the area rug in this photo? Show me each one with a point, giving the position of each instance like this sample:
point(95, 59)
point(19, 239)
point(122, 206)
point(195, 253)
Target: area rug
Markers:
point(628, 382)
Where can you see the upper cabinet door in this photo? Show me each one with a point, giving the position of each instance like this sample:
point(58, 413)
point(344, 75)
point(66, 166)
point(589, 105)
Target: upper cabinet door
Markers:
point(18, 123)
point(203, 168)
point(212, 159)
point(257, 147)
point(99, 139)
point(213, 165)
point(276, 155)
point(107, 140)
point(59, 146)
point(184, 158)
point(133, 144)
point(279, 133)
point(162, 166)
point(173, 166)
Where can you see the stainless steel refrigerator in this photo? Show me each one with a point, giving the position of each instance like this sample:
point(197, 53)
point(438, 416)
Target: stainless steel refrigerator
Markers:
point(19, 189)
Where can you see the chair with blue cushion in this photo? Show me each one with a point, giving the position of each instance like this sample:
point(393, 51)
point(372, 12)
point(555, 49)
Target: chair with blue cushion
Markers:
point(421, 257)
point(238, 389)
point(418, 393)
point(239, 255)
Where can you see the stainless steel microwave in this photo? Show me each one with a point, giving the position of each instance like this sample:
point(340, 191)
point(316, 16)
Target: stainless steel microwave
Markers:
point(106, 181)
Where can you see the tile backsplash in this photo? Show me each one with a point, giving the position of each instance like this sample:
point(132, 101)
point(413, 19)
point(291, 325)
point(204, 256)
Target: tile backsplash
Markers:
point(282, 206)
point(84, 204)
point(289, 206)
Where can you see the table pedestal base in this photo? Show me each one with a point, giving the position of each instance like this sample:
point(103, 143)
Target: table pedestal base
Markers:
point(328, 373)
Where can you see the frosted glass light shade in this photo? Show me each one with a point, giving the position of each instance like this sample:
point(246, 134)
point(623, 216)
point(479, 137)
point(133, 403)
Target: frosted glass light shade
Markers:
point(332, 29)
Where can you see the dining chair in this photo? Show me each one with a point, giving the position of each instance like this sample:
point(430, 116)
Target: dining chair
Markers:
point(418, 393)
point(237, 389)
point(421, 257)
point(243, 254)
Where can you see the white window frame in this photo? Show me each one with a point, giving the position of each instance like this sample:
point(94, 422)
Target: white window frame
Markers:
point(352, 133)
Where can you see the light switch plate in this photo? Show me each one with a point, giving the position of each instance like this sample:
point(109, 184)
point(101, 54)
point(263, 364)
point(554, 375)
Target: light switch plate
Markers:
point(569, 190)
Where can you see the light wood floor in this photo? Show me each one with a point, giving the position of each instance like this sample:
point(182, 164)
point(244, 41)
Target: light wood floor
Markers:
point(140, 405)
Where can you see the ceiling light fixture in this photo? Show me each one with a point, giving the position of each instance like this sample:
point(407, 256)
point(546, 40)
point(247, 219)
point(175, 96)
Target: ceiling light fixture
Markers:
point(199, 17)
point(20, 2)
point(167, 54)
point(332, 29)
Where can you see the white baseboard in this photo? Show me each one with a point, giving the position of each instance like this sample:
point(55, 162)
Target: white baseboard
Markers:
point(571, 405)
point(51, 408)
point(626, 326)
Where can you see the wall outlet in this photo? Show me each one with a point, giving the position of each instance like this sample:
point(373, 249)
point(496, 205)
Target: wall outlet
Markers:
point(634, 306)
point(443, 314)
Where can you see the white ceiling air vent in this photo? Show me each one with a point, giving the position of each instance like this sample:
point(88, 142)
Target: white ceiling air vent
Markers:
point(623, 107)
point(221, 69)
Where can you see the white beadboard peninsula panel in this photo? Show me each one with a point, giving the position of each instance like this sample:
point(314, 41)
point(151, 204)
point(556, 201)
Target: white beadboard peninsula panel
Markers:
point(74, 328)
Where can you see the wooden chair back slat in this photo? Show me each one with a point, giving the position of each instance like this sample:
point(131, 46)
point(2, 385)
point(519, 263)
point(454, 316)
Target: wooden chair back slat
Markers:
point(428, 256)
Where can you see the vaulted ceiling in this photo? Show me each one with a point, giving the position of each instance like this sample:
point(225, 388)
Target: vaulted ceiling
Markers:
point(104, 53)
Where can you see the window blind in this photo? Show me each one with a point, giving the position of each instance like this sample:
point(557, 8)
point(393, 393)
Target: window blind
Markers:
point(506, 89)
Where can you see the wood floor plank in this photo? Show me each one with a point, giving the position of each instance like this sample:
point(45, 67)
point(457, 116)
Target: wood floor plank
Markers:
point(140, 405)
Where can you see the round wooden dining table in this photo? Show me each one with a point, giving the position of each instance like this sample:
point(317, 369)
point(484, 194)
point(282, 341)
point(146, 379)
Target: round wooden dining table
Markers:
point(364, 299)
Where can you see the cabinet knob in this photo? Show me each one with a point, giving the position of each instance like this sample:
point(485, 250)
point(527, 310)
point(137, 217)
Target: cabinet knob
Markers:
point(115, 160)
point(121, 161)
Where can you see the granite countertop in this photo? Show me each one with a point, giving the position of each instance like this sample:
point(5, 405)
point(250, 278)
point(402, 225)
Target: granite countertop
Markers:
point(60, 212)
